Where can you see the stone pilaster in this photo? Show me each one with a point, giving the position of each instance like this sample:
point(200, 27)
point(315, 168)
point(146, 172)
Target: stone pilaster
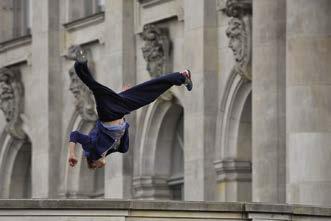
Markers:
point(268, 100)
point(46, 75)
point(200, 107)
point(308, 103)
point(119, 61)
point(233, 143)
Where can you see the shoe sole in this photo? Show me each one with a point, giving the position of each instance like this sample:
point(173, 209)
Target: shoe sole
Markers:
point(190, 80)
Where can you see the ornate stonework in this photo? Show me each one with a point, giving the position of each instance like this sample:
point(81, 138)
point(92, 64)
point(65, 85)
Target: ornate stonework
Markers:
point(11, 101)
point(156, 50)
point(238, 8)
point(239, 33)
point(84, 101)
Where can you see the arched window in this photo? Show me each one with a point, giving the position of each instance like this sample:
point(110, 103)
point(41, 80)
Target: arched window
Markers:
point(20, 185)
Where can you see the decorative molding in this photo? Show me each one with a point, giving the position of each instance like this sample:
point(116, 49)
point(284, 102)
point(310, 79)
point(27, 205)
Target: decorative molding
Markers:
point(150, 3)
point(12, 100)
point(239, 34)
point(153, 11)
point(85, 21)
point(156, 50)
point(233, 170)
point(15, 42)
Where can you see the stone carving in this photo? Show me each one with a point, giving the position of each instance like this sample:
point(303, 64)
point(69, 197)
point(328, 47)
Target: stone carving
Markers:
point(156, 49)
point(11, 101)
point(239, 33)
point(238, 8)
point(84, 101)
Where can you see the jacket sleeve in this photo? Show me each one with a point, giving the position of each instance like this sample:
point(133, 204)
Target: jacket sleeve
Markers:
point(124, 145)
point(78, 137)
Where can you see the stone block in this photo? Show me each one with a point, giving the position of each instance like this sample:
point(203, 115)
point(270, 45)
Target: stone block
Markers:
point(308, 108)
point(309, 68)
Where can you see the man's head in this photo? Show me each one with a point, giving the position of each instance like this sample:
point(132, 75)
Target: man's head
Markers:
point(7, 93)
point(76, 86)
point(236, 34)
point(94, 164)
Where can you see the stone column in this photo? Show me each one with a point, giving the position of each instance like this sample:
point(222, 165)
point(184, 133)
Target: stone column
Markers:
point(119, 61)
point(308, 103)
point(46, 135)
point(269, 68)
point(200, 107)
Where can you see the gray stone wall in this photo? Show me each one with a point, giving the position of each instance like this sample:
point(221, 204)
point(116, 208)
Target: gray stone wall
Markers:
point(155, 210)
point(238, 136)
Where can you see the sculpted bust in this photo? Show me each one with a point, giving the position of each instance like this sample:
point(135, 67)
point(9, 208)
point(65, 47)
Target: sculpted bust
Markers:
point(11, 101)
point(239, 34)
point(237, 37)
point(156, 49)
point(84, 101)
point(83, 98)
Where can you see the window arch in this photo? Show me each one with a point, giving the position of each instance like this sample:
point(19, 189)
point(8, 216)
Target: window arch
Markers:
point(161, 161)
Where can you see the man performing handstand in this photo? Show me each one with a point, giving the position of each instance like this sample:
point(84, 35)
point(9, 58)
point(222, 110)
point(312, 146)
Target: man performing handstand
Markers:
point(111, 131)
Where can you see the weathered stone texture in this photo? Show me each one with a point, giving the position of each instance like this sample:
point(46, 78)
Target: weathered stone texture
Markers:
point(255, 127)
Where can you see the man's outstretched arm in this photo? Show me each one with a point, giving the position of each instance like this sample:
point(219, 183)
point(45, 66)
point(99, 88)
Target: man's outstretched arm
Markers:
point(76, 137)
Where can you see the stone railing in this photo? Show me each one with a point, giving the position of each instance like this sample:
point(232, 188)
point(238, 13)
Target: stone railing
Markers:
point(112, 210)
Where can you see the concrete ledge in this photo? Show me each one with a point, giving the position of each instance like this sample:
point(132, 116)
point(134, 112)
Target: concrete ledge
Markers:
point(54, 204)
point(40, 204)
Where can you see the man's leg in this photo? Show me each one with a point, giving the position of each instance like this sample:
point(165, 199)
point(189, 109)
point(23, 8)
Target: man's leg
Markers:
point(85, 75)
point(145, 93)
point(113, 106)
point(110, 106)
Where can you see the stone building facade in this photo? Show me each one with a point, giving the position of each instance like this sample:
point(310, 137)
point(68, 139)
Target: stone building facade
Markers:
point(256, 127)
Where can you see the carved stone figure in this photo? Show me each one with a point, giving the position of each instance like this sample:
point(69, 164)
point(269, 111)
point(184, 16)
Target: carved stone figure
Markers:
point(11, 101)
point(84, 101)
point(239, 33)
point(156, 49)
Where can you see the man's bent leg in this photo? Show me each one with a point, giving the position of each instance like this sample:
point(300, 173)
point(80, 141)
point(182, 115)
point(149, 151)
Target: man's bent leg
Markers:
point(145, 93)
